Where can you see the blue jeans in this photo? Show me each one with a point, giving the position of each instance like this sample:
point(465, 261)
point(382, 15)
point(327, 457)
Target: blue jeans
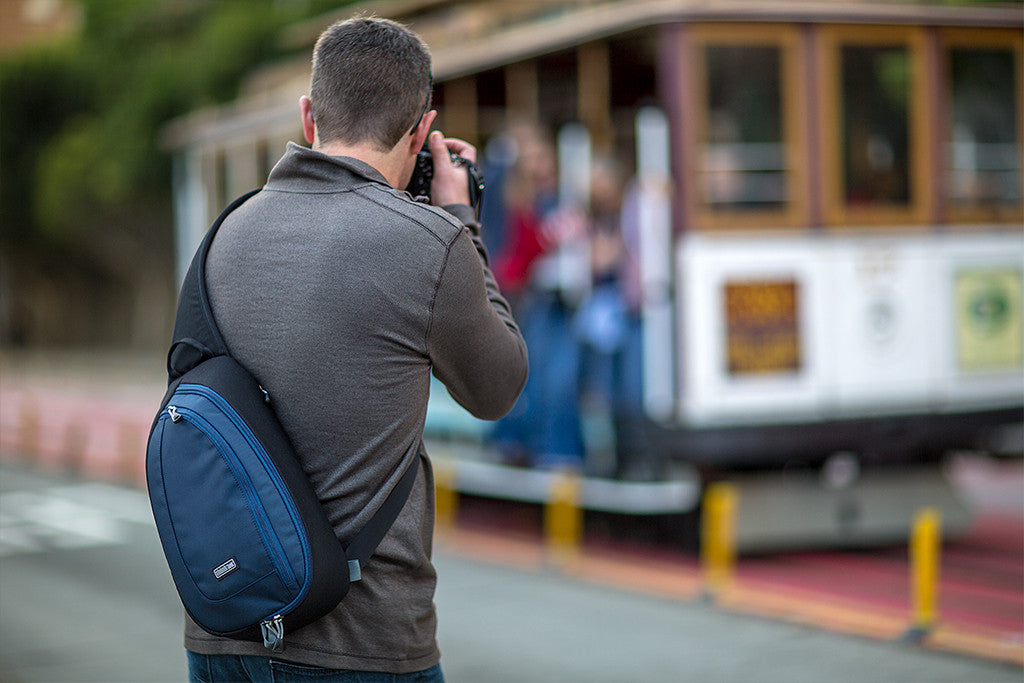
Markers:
point(246, 668)
point(545, 421)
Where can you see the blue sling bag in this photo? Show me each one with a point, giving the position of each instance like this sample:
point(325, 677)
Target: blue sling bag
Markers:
point(250, 549)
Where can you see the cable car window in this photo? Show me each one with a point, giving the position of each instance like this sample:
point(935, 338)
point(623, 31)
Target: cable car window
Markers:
point(875, 125)
point(743, 160)
point(984, 156)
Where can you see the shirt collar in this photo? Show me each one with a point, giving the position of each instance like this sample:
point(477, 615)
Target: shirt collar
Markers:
point(302, 169)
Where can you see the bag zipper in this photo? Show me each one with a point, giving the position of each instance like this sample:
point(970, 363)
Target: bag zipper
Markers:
point(263, 525)
point(254, 443)
point(272, 630)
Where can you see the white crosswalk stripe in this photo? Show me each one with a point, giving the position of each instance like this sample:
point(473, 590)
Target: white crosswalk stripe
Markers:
point(72, 516)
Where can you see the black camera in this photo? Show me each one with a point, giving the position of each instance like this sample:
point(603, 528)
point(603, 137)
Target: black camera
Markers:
point(423, 174)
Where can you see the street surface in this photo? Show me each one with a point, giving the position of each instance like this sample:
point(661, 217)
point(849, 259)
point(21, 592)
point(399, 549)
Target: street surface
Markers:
point(85, 596)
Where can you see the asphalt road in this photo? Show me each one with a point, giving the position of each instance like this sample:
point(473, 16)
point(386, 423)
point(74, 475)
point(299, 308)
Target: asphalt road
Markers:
point(85, 596)
point(84, 593)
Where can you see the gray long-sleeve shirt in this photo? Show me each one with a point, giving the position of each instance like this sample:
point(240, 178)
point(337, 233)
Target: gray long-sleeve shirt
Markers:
point(341, 295)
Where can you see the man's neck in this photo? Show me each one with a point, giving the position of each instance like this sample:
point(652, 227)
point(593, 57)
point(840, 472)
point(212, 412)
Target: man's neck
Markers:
point(390, 164)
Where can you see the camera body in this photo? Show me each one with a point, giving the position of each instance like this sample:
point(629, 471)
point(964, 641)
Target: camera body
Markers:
point(423, 174)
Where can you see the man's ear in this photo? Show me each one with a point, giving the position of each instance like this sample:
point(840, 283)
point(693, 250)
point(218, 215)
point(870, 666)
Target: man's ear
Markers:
point(422, 131)
point(308, 127)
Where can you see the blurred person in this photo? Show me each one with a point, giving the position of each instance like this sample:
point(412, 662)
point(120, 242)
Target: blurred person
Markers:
point(499, 158)
point(608, 323)
point(529, 193)
point(543, 428)
point(342, 295)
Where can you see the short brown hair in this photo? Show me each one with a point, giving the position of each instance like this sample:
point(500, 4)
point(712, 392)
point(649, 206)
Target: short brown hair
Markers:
point(370, 80)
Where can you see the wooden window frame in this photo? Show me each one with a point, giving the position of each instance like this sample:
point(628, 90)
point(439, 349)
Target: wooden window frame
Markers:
point(980, 38)
point(837, 214)
point(787, 38)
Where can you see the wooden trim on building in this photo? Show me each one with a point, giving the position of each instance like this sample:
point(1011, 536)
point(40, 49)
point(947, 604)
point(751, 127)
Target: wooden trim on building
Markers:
point(670, 95)
point(812, 186)
point(836, 211)
point(678, 84)
point(459, 116)
point(522, 90)
point(593, 103)
point(792, 96)
point(593, 22)
point(947, 40)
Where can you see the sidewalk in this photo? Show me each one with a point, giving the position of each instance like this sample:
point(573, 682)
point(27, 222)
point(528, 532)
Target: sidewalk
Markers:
point(505, 625)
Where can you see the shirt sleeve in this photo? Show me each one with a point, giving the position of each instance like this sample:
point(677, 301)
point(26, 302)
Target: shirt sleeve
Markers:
point(475, 345)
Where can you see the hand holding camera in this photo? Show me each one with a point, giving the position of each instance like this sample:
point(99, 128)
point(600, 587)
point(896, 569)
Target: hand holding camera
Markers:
point(446, 173)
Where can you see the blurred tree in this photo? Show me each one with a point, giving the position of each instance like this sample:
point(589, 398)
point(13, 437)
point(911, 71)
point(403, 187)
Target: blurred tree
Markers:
point(83, 186)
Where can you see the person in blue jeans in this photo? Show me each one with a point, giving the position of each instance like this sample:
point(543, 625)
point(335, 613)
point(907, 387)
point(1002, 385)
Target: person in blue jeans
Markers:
point(543, 429)
point(547, 416)
point(608, 325)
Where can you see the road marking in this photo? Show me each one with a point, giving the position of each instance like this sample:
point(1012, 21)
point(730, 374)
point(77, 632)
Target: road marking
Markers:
point(73, 516)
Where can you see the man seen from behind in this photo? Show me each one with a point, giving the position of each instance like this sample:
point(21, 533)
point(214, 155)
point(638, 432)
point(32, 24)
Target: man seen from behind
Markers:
point(343, 295)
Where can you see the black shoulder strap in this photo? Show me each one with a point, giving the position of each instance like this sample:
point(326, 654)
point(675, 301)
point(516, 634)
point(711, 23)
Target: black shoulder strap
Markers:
point(196, 336)
point(362, 546)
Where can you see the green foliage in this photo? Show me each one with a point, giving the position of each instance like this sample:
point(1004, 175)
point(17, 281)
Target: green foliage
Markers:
point(40, 92)
point(79, 119)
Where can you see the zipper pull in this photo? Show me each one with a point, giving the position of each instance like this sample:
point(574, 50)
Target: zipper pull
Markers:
point(173, 412)
point(273, 633)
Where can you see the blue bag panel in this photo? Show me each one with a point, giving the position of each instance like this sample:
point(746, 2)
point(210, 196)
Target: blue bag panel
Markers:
point(216, 530)
point(234, 544)
point(272, 507)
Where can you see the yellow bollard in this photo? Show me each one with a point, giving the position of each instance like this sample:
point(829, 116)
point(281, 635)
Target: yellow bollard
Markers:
point(446, 498)
point(925, 543)
point(563, 520)
point(718, 543)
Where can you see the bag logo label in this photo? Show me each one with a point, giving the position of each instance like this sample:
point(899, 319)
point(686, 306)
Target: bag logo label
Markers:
point(223, 570)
